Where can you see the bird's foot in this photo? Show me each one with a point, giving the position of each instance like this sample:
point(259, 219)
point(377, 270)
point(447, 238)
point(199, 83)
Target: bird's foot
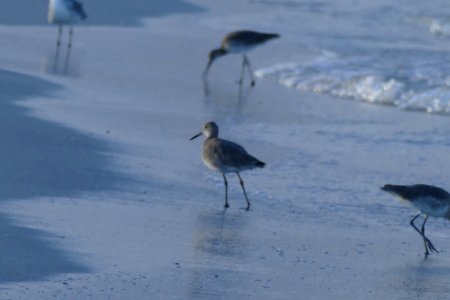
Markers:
point(252, 84)
point(431, 246)
point(226, 205)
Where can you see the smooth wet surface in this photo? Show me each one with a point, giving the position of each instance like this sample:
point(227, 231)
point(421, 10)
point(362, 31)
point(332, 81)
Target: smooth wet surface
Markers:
point(42, 159)
point(319, 225)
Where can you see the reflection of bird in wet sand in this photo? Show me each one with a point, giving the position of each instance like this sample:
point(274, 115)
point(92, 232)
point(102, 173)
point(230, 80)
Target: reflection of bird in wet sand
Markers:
point(429, 200)
point(226, 157)
point(65, 12)
point(239, 42)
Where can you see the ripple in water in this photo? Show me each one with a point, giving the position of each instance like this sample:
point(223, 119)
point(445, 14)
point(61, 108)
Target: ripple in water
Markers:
point(411, 81)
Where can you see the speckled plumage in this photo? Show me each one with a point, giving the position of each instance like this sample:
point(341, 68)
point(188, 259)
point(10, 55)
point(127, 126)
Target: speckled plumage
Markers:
point(226, 157)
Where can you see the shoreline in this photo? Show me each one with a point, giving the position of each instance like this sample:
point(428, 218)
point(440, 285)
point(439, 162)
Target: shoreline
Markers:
point(318, 227)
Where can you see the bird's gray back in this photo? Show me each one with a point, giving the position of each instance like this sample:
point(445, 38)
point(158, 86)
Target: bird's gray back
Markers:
point(420, 191)
point(247, 37)
point(227, 156)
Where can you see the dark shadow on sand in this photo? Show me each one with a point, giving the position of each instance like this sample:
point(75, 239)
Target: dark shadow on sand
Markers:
point(40, 159)
point(28, 254)
point(100, 12)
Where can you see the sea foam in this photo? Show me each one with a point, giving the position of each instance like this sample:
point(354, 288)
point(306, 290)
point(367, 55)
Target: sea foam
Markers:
point(399, 81)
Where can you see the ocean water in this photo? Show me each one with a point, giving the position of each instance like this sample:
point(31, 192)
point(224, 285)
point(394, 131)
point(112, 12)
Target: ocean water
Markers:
point(385, 52)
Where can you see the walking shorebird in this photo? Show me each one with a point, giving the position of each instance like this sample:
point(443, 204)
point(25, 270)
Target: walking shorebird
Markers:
point(429, 200)
point(226, 157)
point(65, 12)
point(239, 42)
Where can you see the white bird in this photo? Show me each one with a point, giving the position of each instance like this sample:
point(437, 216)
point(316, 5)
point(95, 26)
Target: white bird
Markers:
point(65, 12)
point(226, 157)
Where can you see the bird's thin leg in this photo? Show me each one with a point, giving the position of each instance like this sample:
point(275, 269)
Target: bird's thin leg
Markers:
point(58, 44)
point(250, 71)
point(421, 234)
point(226, 190)
point(243, 189)
point(426, 240)
point(69, 44)
point(58, 38)
point(66, 63)
point(241, 80)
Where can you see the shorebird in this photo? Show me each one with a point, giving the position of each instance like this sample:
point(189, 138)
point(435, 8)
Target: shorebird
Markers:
point(239, 42)
point(226, 157)
point(429, 200)
point(65, 12)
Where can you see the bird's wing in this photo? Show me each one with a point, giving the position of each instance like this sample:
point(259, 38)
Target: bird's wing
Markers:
point(423, 190)
point(229, 154)
point(411, 192)
point(77, 7)
point(248, 37)
point(436, 203)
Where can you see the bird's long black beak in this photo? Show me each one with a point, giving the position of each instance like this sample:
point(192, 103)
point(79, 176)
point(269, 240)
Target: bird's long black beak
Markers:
point(196, 136)
point(205, 73)
point(386, 188)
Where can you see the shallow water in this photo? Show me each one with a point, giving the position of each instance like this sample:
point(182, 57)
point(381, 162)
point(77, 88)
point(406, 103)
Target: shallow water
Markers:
point(380, 52)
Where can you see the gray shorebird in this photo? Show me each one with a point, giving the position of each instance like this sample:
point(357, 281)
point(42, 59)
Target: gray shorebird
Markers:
point(226, 157)
point(430, 200)
point(239, 42)
point(65, 12)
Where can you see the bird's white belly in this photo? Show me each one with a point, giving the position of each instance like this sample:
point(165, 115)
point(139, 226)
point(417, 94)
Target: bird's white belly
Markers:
point(238, 48)
point(425, 205)
point(59, 13)
point(218, 167)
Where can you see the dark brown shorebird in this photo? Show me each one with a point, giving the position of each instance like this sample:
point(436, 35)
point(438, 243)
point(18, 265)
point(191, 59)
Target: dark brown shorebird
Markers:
point(430, 200)
point(226, 157)
point(239, 42)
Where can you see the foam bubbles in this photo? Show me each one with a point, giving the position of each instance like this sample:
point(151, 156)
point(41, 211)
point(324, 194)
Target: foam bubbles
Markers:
point(409, 86)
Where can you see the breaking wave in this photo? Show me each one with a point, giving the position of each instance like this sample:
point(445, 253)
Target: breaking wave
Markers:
point(400, 79)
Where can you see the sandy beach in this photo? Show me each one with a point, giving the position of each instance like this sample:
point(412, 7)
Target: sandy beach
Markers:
point(103, 196)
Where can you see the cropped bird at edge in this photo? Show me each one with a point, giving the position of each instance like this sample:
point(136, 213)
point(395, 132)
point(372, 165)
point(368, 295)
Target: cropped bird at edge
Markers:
point(239, 42)
point(65, 12)
point(430, 200)
point(226, 157)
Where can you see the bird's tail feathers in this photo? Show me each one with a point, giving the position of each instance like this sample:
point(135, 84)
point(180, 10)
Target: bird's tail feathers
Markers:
point(260, 164)
point(272, 36)
point(78, 7)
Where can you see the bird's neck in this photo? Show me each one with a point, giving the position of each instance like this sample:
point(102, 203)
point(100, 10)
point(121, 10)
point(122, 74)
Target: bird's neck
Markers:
point(211, 136)
point(222, 51)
